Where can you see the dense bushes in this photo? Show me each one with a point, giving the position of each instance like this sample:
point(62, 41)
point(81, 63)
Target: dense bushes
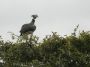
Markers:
point(54, 51)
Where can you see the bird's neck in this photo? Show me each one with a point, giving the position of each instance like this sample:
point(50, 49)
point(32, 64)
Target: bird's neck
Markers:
point(33, 21)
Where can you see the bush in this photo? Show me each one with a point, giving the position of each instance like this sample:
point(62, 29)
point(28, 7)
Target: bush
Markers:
point(54, 51)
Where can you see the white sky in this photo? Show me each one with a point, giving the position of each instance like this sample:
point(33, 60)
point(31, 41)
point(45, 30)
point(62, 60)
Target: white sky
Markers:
point(54, 15)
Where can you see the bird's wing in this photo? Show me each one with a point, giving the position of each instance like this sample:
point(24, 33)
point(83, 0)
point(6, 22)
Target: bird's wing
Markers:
point(27, 27)
point(32, 28)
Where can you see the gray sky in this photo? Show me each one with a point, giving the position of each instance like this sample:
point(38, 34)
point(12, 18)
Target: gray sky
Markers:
point(54, 15)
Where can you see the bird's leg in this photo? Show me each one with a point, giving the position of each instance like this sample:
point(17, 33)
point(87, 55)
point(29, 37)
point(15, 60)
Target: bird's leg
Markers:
point(30, 40)
point(31, 37)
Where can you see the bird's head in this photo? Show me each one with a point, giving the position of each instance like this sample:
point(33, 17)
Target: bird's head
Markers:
point(34, 16)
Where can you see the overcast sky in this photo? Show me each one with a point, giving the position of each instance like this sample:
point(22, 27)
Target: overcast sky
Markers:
point(54, 15)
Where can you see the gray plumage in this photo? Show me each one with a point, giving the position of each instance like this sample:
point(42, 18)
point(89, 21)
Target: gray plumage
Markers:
point(30, 27)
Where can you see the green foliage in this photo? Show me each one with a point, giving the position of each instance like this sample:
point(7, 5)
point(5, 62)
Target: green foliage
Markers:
point(53, 51)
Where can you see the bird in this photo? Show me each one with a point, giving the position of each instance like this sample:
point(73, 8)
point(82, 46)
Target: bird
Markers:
point(30, 27)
